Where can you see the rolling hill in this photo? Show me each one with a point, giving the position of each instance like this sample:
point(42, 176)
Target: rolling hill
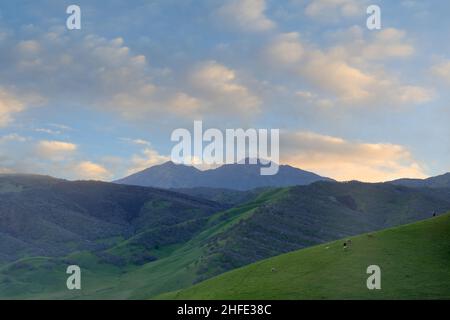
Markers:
point(43, 216)
point(171, 249)
point(414, 261)
point(303, 216)
point(442, 181)
point(232, 176)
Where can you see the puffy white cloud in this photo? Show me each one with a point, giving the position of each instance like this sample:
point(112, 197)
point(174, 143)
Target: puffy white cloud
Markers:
point(354, 85)
point(221, 91)
point(103, 73)
point(50, 157)
point(55, 150)
point(87, 170)
point(388, 43)
point(185, 105)
point(349, 160)
point(407, 94)
point(245, 15)
point(441, 71)
point(349, 72)
point(9, 105)
point(285, 49)
point(358, 46)
point(339, 78)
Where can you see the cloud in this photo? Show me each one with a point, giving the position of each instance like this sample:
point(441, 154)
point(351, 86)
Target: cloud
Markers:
point(88, 170)
point(245, 15)
point(56, 158)
point(357, 86)
point(28, 47)
point(141, 142)
point(9, 105)
point(349, 160)
point(104, 73)
point(357, 45)
point(185, 105)
point(388, 43)
point(350, 72)
point(12, 137)
point(55, 150)
point(338, 77)
point(47, 131)
point(334, 10)
point(285, 49)
point(6, 171)
point(221, 91)
point(441, 71)
point(61, 126)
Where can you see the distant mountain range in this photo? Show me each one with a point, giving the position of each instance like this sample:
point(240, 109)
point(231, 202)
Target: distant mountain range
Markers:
point(231, 176)
point(442, 181)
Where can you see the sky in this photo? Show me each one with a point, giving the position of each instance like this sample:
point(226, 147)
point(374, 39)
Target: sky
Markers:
point(101, 102)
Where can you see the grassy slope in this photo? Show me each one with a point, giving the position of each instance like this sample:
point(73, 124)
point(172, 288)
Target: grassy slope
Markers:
point(45, 278)
point(415, 263)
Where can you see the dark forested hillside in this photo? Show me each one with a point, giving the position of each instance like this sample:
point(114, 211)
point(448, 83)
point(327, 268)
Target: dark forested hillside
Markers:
point(45, 216)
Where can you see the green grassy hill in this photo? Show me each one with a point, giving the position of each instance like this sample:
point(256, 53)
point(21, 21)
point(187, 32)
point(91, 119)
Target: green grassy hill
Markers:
point(414, 259)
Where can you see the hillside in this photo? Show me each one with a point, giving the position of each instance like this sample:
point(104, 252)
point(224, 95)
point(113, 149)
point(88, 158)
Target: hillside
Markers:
point(176, 266)
point(232, 176)
point(304, 216)
point(228, 197)
point(414, 261)
point(43, 216)
point(178, 250)
point(442, 181)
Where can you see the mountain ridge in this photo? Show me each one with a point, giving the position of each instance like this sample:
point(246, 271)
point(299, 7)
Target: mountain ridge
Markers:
point(440, 181)
point(229, 176)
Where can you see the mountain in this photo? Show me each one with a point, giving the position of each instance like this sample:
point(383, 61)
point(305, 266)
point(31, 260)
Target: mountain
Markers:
point(167, 175)
point(153, 241)
point(442, 181)
point(413, 260)
point(230, 176)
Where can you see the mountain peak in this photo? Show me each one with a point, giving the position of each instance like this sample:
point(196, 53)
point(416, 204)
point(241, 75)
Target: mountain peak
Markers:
point(237, 176)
